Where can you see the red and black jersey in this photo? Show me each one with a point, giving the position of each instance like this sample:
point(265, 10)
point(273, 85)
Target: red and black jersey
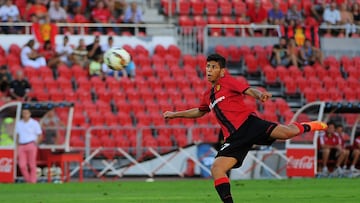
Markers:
point(356, 144)
point(226, 100)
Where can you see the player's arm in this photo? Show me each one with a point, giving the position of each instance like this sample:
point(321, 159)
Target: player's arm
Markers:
point(190, 113)
point(257, 94)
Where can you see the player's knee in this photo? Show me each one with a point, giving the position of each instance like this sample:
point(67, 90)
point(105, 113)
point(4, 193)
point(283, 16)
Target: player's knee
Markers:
point(217, 169)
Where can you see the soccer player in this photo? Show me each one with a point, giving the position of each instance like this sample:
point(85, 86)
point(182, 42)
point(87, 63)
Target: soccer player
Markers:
point(241, 127)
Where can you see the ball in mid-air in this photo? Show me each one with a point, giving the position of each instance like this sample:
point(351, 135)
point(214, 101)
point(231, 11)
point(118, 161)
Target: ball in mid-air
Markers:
point(116, 58)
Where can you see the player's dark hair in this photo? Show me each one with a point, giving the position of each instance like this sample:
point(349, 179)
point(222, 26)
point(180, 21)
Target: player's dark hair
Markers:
point(218, 58)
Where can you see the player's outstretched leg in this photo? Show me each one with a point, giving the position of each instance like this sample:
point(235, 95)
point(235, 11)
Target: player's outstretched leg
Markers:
point(289, 131)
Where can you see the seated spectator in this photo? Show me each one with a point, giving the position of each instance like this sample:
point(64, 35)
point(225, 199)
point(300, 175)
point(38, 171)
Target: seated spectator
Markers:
point(355, 155)
point(38, 9)
point(280, 56)
point(356, 14)
point(95, 67)
point(20, 87)
point(345, 142)
point(30, 57)
point(71, 6)
point(275, 15)
point(134, 15)
point(118, 8)
point(5, 79)
point(309, 54)
point(318, 8)
point(10, 13)
point(52, 59)
point(331, 16)
point(347, 19)
point(293, 52)
point(257, 15)
point(57, 13)
point(51, 124)
point(108, 45)
point(65, 50)
point(94, 49)
point(294, 17)
point(101, 14)
point(80, 54)
point(331, 143)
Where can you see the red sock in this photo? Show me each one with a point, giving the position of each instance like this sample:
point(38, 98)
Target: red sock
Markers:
point(222, 186)
point(301, 127)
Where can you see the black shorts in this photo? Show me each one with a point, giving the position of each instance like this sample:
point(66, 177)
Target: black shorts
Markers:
point(253, 131)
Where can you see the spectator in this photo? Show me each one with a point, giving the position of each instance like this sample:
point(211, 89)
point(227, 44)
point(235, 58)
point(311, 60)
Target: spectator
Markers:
point(57, 13)
point(5, 79)
point(44, 31)
point(294, 17)
point(347, 19)
point(19, 87)
point(10, 13)
point(80, 54)
point(118, 7)
point(257, 15)
point(318, 8)
point(51, 124)
point(345, 142)
point(95, 66)
point(7, 128)
point(331, 16)
point(134, 15)
point(101, 14)
point(279, 56)
point(293, 52)
point(275, 15)
point(356, 14)
point(52, 59)
point(309, 54)
point(355, 155)
point(331, 143)
point(65, 50)
point(30, 57)
point(71, 6)
point(38, 9)
point(29, 133)
point(108, 45)
point(94, 49)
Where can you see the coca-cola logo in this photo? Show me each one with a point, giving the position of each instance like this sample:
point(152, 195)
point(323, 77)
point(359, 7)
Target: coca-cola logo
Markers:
point(305, 162)
point(5, 165)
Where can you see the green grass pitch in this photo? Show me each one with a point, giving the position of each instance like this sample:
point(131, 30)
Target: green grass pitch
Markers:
point(185, 191)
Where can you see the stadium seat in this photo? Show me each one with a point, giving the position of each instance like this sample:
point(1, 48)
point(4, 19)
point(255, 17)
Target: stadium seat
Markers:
point(309, 71)
point(334, 94)
point(251, 64)
point(186, 24)
point(328, 82)
point(64, 83)
point(78, 71)
point(141, 50)
point(50, 83)
point(171, 60)
point(270, 75)
point(234, 54)
point(222, 50)
point(56, 95)
point(70, 96)
point(215, 31)
point(64, 71)
point(197, 7)
point(322, 94)
point(282, 72)
point(225, 8)
point(174, 50)
point(199, 21)
point(160, 50)
point(229, 31)
point(184, 8)
point(310, 94)
point(290, 86)
point(14, 49)
point(168, 8)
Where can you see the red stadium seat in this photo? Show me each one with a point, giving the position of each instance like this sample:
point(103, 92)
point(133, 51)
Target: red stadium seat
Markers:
point(169, 8)
point(64, 71)
point(310, 94)
point(50, 83)
point(14, 49)
point(186, 24)
point(328, 82)
point(251, 64)
point(335, 94)
point(282, 72)
point(160, 50)
point(309, 71)
point(174, 50)
point(270, 75)
point(290, 86)
point(222, 50)
point(56, 95)
point(199, 21)
point(234, 53)
point(216, 31)
point(184, 7)
point(229, 31)
point(64, 83)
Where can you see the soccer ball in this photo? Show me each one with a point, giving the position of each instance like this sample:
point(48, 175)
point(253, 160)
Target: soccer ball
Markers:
point(116, 58)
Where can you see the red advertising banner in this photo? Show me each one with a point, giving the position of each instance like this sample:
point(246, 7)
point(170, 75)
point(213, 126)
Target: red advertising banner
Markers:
point(301, 162)
point(7, 165)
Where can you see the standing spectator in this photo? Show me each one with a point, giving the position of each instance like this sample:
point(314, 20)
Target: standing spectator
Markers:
point(347, 19)
point(51, 124)
point(331, 16)
point(94, 49)
point(29, 133)
point(45, 30)
point(30, 57)
point(257, 15)
point(19, 87)
point(57, 13)
point(9, 13)
point(5, 79)
point(65, 50)
point(330, 143)
point(134, 15)
point(80, 54)
point(294, 17)
point(310, 54)
point(355, 155)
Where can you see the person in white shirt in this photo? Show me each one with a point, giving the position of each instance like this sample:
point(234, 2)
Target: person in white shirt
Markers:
point(28, 133)
point(57, 13)
point(331, 16)
point(65, 50)
point(10, 13)
point(30, 57)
